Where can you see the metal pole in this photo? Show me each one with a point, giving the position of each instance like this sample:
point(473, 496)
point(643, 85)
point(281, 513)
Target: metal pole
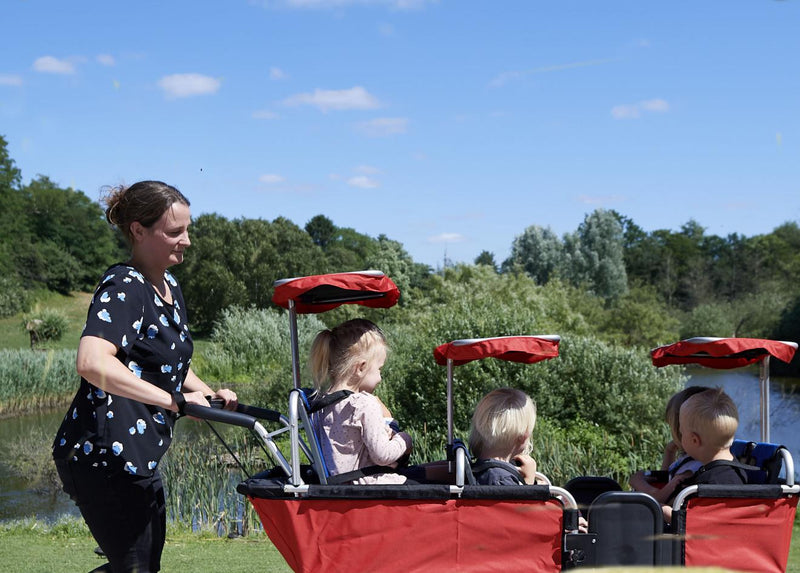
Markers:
point(764, 379)
point(294, 344)
point(450, 401)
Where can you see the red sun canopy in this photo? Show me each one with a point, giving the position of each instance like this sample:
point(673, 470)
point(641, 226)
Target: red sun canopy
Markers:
point(320, 293)
point(722, 353)
point(524, 349)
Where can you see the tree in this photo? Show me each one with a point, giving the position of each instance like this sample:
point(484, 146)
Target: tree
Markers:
point(487, 259)
point(75, 226)
point(321, 229)
point(538, 251)
point(13, 219)
point(594, 255)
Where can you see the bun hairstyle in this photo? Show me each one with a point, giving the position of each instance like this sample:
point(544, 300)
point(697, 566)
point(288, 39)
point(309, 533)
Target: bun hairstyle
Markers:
point(335, 352)
point(143, 202)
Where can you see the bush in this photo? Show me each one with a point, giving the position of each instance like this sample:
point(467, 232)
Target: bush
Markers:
point(599, 401)
point(250, 348)
point(45, 326)
point(13, 297)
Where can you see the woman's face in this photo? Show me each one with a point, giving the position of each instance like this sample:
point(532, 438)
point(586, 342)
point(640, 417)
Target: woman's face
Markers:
point(164, 242)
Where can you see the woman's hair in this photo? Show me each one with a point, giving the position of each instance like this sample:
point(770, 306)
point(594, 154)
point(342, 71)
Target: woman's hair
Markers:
point(500, 418)
point(335, 352)
point(673, 410)
point(143, 202)
point(713, 416)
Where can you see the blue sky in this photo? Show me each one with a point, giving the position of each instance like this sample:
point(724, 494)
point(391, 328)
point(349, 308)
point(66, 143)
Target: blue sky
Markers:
point(450, 126)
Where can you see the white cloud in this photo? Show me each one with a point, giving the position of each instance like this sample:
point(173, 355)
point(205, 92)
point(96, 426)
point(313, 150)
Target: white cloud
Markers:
point(383, 126)
point(188, 85)
point(625, 112)
point(447, 238)
point(657, 105)
point(367, 169)
point(51, 65)
point(502, 79)
point(363, 182)
point(277, 74)
point(271, 178)
point(10, 80)
point(265, 114)
point(635, 110)
point(106, 60)
point(354, 98)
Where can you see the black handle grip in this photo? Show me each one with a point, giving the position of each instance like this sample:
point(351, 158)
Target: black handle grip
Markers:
point(219, 415)
point(260, 413)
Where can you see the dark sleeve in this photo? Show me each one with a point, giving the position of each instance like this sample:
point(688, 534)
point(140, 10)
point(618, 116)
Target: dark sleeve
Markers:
point(116, 311)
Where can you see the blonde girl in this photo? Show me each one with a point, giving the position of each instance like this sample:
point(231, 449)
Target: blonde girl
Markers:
point(353, 431)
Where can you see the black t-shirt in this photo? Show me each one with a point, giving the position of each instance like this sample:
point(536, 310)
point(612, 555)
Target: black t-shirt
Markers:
point(719, 472)
point(102, 430)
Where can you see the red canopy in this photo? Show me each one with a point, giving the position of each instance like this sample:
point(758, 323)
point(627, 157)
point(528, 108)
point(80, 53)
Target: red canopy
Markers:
point(320, 293)
point(722, 353)
point(525, 349)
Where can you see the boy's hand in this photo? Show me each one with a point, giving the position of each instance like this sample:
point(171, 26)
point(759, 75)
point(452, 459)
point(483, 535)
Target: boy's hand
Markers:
point(527, 467)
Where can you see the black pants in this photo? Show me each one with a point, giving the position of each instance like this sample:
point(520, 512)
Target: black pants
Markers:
point(126, 514)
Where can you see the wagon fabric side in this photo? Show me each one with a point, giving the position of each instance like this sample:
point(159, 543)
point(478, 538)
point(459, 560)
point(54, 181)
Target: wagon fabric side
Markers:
point(411, 527)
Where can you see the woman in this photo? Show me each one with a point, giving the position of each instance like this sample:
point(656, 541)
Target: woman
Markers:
point(134, 359)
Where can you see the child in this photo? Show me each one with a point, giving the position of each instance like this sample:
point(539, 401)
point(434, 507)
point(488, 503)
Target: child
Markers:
point(677, 468)
point(500, 438)
point(708, 423)
point(354, 433)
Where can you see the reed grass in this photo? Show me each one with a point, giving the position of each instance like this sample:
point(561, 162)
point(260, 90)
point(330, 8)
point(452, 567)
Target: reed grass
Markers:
point(32, 380)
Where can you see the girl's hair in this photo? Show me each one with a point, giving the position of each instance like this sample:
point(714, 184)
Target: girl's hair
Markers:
point(673, 410)
point(143, 202)
point(335, 352)
point(713, 415)
point(500, 418)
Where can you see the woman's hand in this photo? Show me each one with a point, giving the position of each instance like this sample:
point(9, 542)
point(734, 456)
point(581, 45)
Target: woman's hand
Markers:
point(231, 400)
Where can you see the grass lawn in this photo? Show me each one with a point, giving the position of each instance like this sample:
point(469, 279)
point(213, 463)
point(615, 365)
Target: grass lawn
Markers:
point(35, 548)
point(74, 307)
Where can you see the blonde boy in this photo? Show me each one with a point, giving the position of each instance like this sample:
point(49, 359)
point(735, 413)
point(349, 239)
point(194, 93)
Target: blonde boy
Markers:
point(708, 423)
point(500, 438)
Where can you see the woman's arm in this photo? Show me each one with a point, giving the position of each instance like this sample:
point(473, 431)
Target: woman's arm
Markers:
point(193, 383)
point(97, 363)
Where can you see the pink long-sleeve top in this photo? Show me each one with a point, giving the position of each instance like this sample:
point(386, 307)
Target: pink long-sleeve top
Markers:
point(354, 435)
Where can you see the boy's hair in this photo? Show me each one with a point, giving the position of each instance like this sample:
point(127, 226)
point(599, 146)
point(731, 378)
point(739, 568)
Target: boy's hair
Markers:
point(673, 409)
point(500, 418)
point(713, 416)
point(335, 352)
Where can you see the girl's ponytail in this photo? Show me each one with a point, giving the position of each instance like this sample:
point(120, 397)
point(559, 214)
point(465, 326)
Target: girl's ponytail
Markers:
point(319, 359)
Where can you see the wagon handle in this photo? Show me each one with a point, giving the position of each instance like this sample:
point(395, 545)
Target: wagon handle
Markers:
point(223, 416)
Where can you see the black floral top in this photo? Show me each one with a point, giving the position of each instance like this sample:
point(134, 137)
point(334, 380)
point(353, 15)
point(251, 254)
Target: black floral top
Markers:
point(152, 338)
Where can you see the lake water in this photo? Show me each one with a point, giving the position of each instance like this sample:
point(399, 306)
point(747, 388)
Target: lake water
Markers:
point(17, 500)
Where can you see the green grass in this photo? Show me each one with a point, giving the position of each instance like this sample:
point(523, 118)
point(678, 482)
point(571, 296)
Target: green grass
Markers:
point(36, 548)
point(13, 335)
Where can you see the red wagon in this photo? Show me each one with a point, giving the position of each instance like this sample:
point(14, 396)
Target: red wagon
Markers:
point(320, 526)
